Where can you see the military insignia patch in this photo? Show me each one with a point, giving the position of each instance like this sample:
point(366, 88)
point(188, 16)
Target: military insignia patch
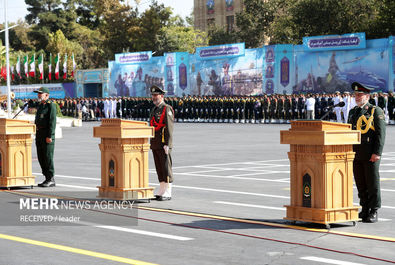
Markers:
point(366, 107)
point(381, 117)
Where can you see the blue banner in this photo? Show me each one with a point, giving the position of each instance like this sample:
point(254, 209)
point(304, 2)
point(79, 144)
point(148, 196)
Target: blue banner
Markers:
point(134, 57)
point(391, 86)
point(335, 42)
point(220, 51)
point(57, 90)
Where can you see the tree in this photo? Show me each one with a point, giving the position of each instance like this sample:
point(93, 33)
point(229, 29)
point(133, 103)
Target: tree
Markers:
point(253, 22)
point(18, 36)
point(118, 23)
point(179, 39)
point(383, 24)
point(219, 36)
point(150, 24)
point(48, 16)
point(58, 43)
point(295, 19)
point(91, 43)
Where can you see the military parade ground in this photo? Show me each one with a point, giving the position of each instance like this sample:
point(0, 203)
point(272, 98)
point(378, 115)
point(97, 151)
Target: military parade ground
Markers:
point(231, 182)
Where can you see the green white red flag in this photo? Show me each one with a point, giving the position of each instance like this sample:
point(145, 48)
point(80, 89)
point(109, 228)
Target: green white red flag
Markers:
point(50, 67)
point(65, 67)
point(32, 64)
point(74, 66)
point(18, 66)
point(41, 66)
point(25, 66)
point(57, 67)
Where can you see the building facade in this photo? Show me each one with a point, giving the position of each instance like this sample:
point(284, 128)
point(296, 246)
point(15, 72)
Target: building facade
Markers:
point(221, 13)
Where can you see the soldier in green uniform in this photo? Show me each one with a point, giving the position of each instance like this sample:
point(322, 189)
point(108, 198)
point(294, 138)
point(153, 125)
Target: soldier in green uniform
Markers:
point(45, 136)
point(370, 120)
point(391, 107)
point(162, 119)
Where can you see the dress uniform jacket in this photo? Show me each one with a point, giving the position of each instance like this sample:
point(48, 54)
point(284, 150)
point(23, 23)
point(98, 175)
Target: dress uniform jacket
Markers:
point(370, 121)
point(162, 118)
point(45, 127)
point(372, 141)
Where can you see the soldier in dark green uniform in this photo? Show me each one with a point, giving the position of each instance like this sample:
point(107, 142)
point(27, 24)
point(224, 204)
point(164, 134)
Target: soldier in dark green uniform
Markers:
point(391, 107)
point(45, 136)
point(162, 119)
point(370, 120)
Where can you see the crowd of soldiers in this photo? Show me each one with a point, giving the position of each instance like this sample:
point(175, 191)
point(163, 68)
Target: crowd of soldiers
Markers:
point(274, 108)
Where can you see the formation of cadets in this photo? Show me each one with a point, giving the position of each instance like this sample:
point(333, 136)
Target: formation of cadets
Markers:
point(274, 108)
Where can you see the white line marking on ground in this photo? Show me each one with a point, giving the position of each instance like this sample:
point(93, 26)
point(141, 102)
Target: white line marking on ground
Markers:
point(233, 177)
point(231, 191)
point(75, 186)
point(69, 177)
point(135, 231)
point(330, 261)
point(250, 205)
point(197, 188)
point(234, 163)
point(388, 190)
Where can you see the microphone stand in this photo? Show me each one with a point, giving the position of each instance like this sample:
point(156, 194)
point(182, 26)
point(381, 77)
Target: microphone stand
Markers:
point(24, 106)
point(327, 113)
point(331, 108)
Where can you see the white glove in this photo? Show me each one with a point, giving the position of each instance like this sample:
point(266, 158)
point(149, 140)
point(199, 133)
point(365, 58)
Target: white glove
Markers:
point(166, 148)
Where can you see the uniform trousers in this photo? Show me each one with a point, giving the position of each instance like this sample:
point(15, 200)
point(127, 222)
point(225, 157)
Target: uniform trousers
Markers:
point(45, 156)
point(367, 179)
point(163, 164)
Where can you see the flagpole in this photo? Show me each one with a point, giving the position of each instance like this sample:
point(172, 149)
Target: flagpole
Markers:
point(7, 61)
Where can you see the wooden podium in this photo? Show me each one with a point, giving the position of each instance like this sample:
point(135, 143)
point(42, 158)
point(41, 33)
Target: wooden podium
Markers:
point(124, 159)
point(16, 153)
point(321, 165)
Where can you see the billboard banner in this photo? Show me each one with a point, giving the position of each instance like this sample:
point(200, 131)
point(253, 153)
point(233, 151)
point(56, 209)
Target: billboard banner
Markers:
point(133, 58)
point(392, 64)
point(220, 51)
point(335, 42)
point(331, 71)
point(134, 80)
point(57, 90)
point(240, 75)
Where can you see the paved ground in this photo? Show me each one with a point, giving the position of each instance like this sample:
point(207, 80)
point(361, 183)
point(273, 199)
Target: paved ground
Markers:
point(234, 178)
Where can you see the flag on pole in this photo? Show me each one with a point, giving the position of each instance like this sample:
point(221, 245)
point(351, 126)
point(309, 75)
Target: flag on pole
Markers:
point(41, 66)
point(74, 66)
point(12, 73)
point(3, 73)
point(32, 64)
point(18, 66)
point(65, 67)
point(25, 66)
point(57, 67)
point(50, 67)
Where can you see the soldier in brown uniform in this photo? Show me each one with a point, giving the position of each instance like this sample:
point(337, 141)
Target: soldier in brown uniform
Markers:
point(162, 118)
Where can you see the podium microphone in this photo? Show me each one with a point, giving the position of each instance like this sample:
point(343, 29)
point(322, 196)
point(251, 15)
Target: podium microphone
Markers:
point(24, 106)
point(340, 104)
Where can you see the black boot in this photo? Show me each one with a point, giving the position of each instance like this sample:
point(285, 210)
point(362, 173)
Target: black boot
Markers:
point(372, 217)
point(364, 213)
point(49, 182)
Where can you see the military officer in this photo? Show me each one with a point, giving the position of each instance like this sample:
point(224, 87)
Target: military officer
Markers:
point(391, 107)
point(370, 120)
point(162, 119)
point(45, 136)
